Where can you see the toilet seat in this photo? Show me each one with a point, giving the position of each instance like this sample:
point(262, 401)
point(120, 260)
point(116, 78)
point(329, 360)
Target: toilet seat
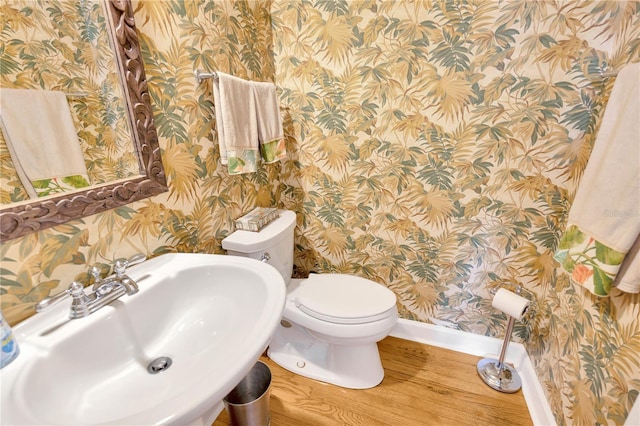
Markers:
point(344, 299)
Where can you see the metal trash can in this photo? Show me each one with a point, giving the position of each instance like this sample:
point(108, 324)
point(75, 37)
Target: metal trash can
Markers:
point(248, 403)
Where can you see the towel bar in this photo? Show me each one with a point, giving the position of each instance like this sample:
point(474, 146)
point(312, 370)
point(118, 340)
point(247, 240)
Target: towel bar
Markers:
point(201, 75)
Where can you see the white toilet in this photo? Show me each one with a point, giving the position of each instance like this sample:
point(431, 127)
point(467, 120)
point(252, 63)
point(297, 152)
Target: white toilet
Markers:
point(331, 322)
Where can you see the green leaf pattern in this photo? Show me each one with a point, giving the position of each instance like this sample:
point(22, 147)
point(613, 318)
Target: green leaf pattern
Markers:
point(45, 187)
point(273, 151)
point(246, 160)
point(242, 161)
point(590, 263)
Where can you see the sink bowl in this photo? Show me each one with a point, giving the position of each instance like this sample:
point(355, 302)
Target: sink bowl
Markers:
point(211, 315)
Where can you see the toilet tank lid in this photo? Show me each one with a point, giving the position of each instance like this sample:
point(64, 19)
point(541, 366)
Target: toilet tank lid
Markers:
point(249, 241)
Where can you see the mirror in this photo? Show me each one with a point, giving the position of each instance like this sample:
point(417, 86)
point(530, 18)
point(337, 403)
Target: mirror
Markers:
point(19, 219)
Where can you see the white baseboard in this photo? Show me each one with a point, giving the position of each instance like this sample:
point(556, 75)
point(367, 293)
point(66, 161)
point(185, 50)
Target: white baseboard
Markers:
point(483, 346)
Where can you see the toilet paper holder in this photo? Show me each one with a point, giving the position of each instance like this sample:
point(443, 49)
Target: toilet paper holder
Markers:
point(495, 372)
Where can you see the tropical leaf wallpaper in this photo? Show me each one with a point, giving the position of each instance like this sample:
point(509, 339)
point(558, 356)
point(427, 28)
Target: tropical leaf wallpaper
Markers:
point(433, 146)
point(63, 45)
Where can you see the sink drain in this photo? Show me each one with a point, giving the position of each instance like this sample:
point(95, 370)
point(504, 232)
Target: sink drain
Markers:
point(158, 365)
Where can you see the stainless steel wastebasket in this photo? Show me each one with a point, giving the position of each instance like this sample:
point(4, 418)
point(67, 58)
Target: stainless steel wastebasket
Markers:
point(248, 403)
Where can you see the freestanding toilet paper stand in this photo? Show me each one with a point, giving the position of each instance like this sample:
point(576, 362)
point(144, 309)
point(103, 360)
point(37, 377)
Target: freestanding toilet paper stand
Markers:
point(495, 372)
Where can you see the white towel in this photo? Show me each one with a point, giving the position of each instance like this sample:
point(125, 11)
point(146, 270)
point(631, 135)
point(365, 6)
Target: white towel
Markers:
point(628, 278)
point(604, 220)
point(236, 123)
point(41, 136)
point(270, 133)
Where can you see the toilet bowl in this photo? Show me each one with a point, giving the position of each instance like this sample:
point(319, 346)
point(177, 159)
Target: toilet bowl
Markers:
point(331, 323)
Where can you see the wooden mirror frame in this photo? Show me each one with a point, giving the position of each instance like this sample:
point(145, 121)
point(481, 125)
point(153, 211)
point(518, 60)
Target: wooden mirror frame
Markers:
point(21, 219)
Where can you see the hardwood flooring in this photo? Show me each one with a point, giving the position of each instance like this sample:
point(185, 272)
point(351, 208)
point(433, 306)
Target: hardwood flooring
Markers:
point(423, 385)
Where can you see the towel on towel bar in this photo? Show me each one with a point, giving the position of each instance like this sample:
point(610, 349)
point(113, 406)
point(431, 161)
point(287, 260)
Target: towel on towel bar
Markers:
point(270, 131)
point(42, 140)
point(598, 247)
point(236, 123)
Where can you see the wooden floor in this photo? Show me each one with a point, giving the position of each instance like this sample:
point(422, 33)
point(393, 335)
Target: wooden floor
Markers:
point(423, 385)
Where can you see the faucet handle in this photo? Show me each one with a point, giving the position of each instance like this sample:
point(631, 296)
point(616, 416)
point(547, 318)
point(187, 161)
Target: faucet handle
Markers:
point(50, 301)
point(135, 259)
point(45, 304)
point(80, 303)
point(96, 273)
point(121, 265)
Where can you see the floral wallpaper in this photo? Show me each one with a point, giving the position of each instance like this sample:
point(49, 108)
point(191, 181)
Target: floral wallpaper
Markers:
point(433, 146)
point(64, 46)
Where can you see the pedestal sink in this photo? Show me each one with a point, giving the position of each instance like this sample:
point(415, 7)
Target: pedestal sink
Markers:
point(166, 355)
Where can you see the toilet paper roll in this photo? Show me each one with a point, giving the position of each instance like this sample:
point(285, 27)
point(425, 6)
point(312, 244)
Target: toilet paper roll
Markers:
point(510, 303)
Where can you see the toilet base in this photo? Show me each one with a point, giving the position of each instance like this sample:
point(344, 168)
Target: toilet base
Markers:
point(354, 366)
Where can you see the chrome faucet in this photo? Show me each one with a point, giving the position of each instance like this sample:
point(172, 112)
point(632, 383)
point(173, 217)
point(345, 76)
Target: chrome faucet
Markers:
point(104, 291)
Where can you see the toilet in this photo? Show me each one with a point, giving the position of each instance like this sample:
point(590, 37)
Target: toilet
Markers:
point(331, 323)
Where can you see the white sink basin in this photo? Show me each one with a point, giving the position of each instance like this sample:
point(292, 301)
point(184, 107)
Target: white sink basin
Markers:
point(212, 315)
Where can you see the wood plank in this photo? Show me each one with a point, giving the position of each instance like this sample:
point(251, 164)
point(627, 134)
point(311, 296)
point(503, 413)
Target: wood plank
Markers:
point(423, 385)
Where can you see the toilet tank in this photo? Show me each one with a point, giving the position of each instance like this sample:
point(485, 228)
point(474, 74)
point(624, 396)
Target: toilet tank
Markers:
point(273, 243)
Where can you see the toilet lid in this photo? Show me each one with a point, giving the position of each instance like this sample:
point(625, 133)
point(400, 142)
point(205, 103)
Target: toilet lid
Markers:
point(344, 299)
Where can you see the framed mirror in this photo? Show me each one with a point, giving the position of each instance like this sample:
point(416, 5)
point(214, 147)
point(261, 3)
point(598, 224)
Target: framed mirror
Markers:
point(19, 219)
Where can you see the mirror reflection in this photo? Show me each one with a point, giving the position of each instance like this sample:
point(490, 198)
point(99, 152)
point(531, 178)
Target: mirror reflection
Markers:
point(64, 121)
point(53, 62)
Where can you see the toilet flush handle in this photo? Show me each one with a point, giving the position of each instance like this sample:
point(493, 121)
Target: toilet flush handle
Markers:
point(265, 257)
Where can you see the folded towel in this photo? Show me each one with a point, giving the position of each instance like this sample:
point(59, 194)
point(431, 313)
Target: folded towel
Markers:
point(41, 137)
point(270, 133)
point(604, 220)
point(236, 123)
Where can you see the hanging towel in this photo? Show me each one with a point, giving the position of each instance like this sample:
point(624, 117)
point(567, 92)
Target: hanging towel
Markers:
point(236, 123)
point(628, 278)
point(270, 133)
point(604, 220)
point(41, 138)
